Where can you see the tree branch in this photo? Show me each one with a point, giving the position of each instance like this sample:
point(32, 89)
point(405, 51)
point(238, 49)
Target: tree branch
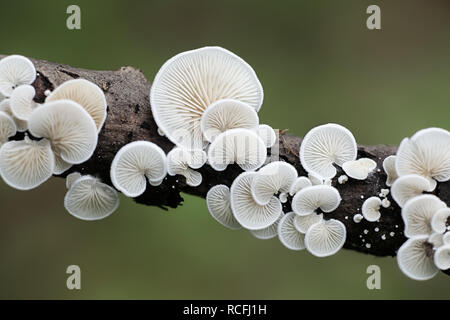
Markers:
point(130, 119)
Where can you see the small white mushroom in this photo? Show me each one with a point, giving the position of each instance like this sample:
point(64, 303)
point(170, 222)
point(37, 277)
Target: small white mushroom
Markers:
point(274, 177)
point(86, 94)
point(325, 238)
point(427, 154)
point(408, 187)
point(299, 184)
point(5, 106)
point(357, 218)
point(160, 132)
point(390, 170)
point(7, 127)
point(324, 146)
point(371, 209)
point(71, 178)
point(384, 193)
point(178, 161)
point(190, 82)
point(247, 212)
point(26, 164)
point(415, 259)
point(309, 199)
point(240, 146)
point(269, 232)
point(418, 212)
point(267, 134)
point(218, 203)
point(134, 163)
point(15, 70)
point(441, 220)
point(283, 196)
point(342, 179)
point(385, 203)
point(315, 181)
point(289, 236)
point(302, 223)
point(442, 257)
point(89, 199)
point(21, 102)
point(227, 114)
point(359, 169)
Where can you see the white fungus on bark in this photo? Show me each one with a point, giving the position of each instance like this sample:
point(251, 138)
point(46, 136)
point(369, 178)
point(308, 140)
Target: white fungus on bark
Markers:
point(21, 102)
point(289, 236)
point(390, 170)
point(178, 162)
point(309, 199)
point(15, 70)
point(408, 187)
point(218, 203)
point(325, 238)
point(371, 209)
point(359, 169)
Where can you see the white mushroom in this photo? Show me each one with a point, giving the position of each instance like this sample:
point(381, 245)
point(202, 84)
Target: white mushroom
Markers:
point(227, 114)
point(71, 178)
point(441, 220)
point(190, 82)
point(246, 211)
point(342, 179)
point(178, 160)
point(267, 134)
point(15, 70)
point(289, 236)
point(26, 164)
point(268, 232)
point(5, 106)
point(325, 238)
point(415, 258)
point(218, 203)
point(357, 218)
point(273, 178)
point(86, 94)
point(408, 187)
point(324, 146)
point(299, 184)
point(240, 146)
point(442, 257)
point(302, 223)
point(371, 209)
point(315, 180)
point(390, 170)
point(309, 199)
point(21, 102)
point(446, 238)
point(61, 166)
point(134, 163)
point(70, 129)
point(89, 199)
point(359, 169)
point(418, 212)
point(427, 154)
point(7, 127)
point(436, 239)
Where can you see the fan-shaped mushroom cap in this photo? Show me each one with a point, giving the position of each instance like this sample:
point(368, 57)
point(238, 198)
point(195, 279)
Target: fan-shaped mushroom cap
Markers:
point(408, 187)
point(302, 223)
point(70, 129)
point(324, 146)
point(61, 166)
point(89, 199)
point(26, 164)
point(359, 169)
point(299, 184)
point(415, 259)
point(15, 70)
point(309, 199)
point(446, 238)
point(274, 177)
point(267, 134)
point(178, 160)
point(71, 178)
point(427, 154)
point(436, 239)
point(442, 257)
point(316, 181)
point(440, 220)
point(289, 236)
point(371, 209)
point(227, 114)
point(241, 146)
point(190, 82)
point(218, 203)
point(21, 102)
point(325, 238)
point(5, 106)
point(269, 232)
point(7, 127)
point(418, 212)
point(246, 211)
point(86, 94)
point(134, 163)
point(390, 170)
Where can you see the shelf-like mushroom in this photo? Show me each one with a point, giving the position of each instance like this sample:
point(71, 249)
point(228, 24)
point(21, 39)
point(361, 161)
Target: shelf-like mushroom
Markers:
point(309, 199)
point(371, 209)
point(21, 101)
point(218, 203)
point(359, 169)
point(8, 127)
point(325, 238)
point(390, 170)
point(15, 70)
point(408, 187)
point(289, 236)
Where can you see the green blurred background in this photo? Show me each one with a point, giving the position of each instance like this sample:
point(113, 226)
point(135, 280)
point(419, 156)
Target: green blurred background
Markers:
point(317, 62)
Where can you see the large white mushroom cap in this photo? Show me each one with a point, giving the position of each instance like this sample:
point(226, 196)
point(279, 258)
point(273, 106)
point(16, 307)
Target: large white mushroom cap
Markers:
point(277, 176)
point(26, 164)
point(302, 223)
point(89, 199)
point(178, 161)
point(218, 203)
point(359, 169)
point(70, 129)
point(441, 220)
point(442, 257)
point(325, 238)
point(86, 94)
point(324, 146)
point(299, 184)
point(371, 209)
point(418, 212)
point(427, 154)
point(309, 199)
point(7, 127)
point(240, 146)
point(268, 232)
point(415, 259)
point(390, 170)
point(289, 236)
point(5, 106)
point(227, 114)
point(190, 82)
point(247, 212)
point(408, 187)
point(21, 101)
point(134, 163)
point(15, 70)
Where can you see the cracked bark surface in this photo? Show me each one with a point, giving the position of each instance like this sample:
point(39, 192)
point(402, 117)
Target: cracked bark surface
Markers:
point(130, 119)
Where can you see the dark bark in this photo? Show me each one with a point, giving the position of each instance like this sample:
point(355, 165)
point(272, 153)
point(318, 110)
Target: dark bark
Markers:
point(130, 118)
